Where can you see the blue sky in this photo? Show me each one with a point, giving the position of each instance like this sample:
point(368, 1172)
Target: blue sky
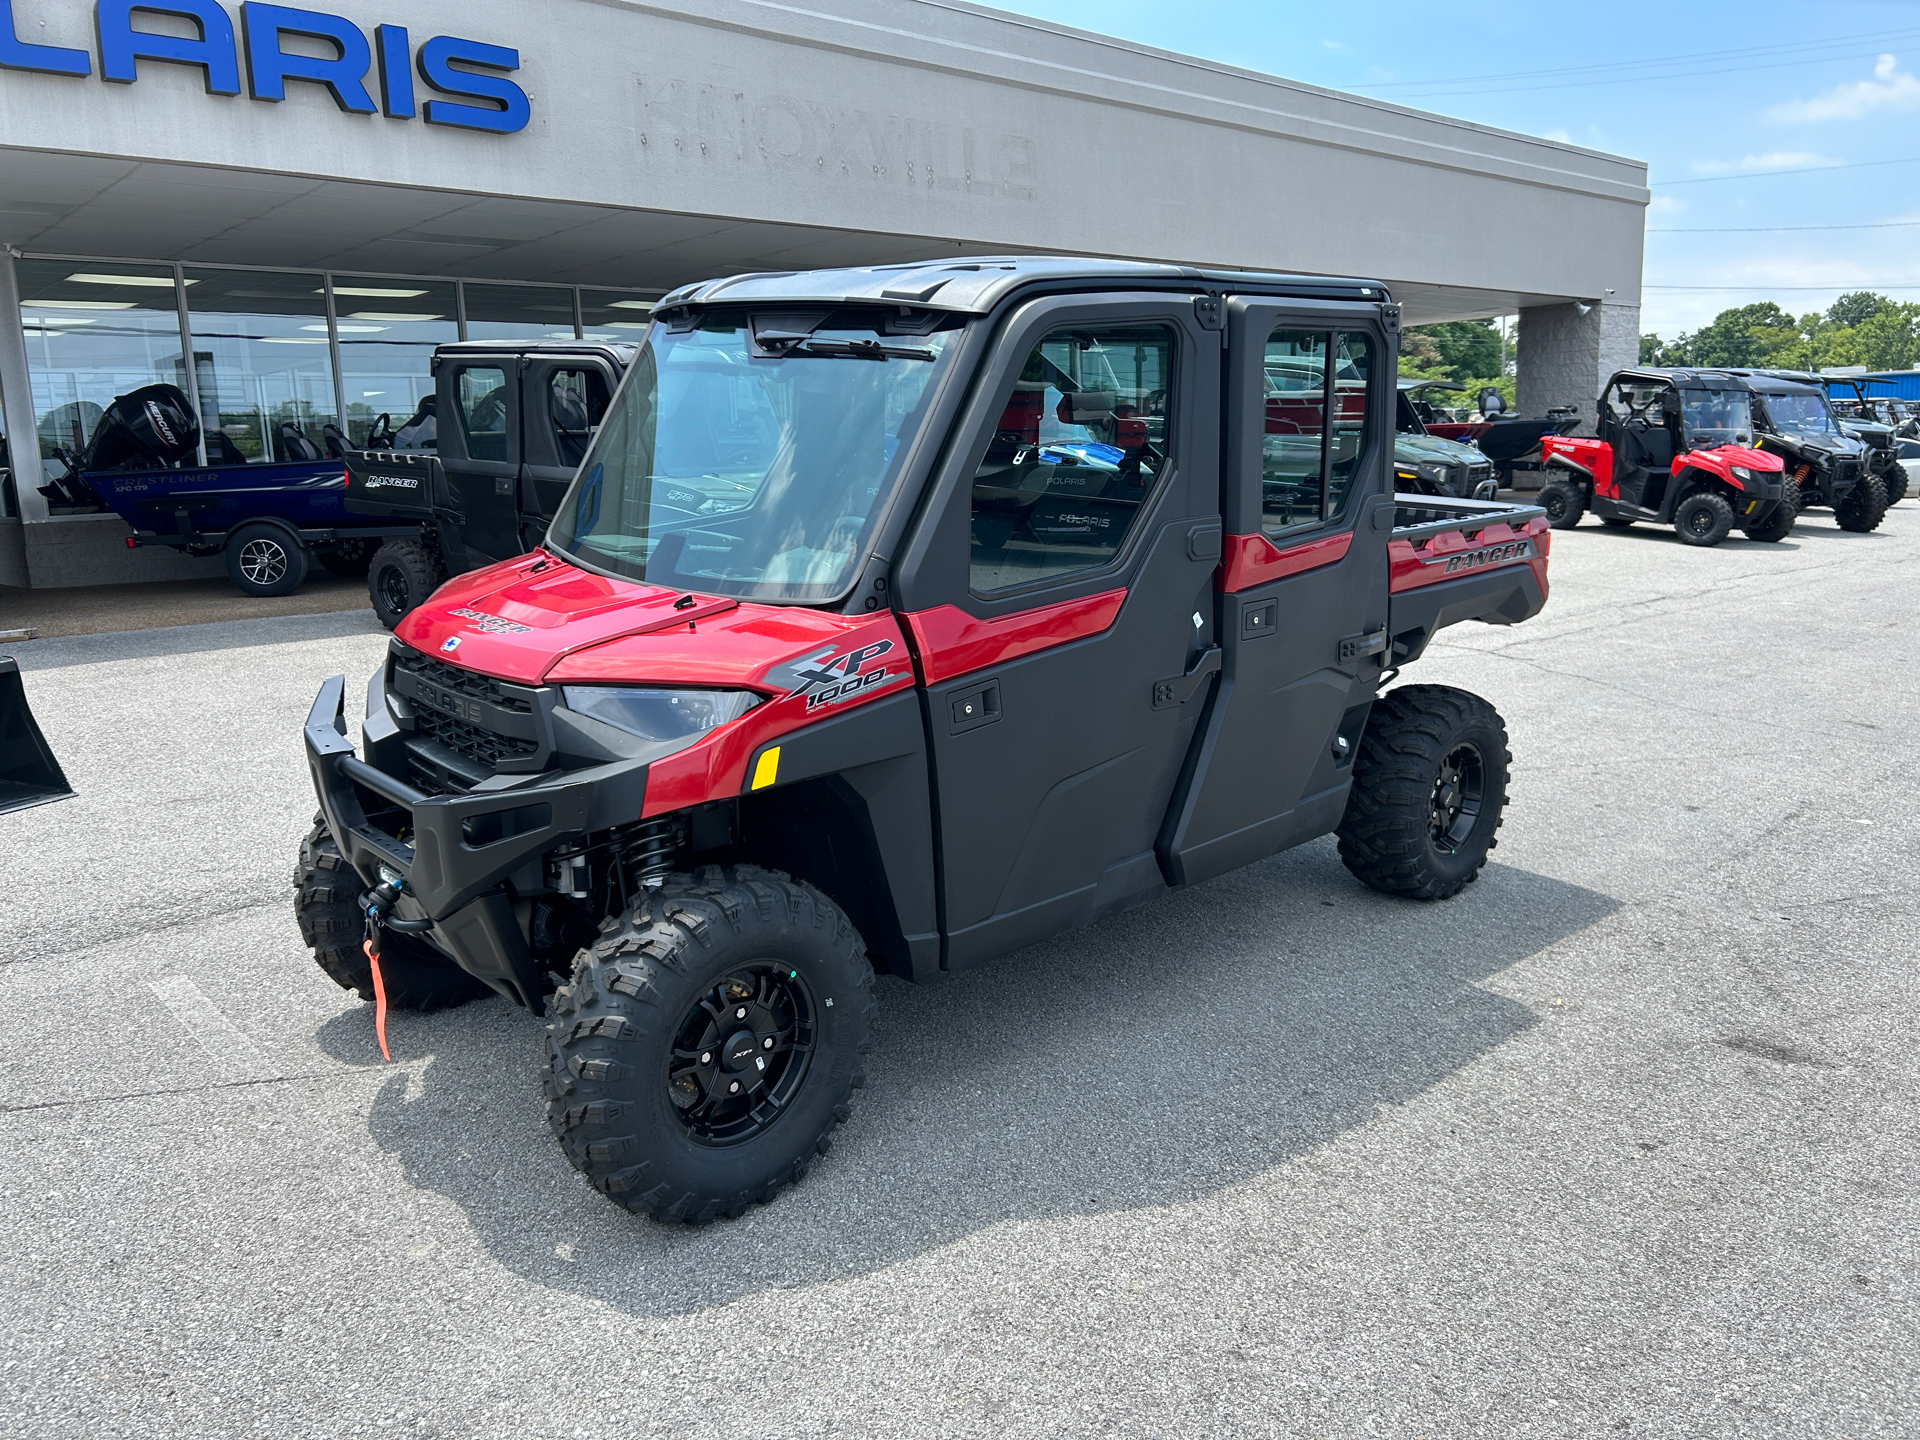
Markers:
point(1711, 95)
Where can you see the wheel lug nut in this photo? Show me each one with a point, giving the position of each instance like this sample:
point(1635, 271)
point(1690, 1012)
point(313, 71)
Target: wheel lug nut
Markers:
point(741, 1013)
point(734, 1088)
point(706, 1057)
point(767, 1044)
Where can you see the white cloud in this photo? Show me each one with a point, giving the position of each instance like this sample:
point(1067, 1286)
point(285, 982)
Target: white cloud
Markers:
point(1889, 89)
point(1558, 136)
point(1333, 44)
point(1772, 160)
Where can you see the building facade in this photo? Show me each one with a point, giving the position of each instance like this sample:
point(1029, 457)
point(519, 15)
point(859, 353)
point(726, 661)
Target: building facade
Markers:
point(283, 210)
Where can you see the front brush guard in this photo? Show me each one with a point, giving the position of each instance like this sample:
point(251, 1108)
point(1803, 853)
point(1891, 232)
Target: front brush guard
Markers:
point(460, 849)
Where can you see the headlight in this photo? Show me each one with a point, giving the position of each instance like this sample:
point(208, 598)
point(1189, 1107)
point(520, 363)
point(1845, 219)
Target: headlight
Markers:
point(659, 714)
point(1741, 472)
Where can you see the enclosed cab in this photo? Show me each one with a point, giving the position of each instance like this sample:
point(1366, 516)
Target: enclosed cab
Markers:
point(1825, 466)
point(898, 618)
point(481, 467)
point(1675, 447)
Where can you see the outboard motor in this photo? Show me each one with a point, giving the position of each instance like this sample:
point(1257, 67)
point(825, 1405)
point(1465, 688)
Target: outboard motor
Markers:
point(152, 428)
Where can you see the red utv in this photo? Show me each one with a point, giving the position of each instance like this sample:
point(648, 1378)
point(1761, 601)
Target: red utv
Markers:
point(1675, 448)
point(903, 617)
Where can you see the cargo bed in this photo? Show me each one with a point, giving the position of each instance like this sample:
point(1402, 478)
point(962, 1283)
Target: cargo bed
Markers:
point(1454, 560)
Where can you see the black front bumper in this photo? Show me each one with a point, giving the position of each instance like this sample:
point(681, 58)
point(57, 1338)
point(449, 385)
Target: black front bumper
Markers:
point(456, 854)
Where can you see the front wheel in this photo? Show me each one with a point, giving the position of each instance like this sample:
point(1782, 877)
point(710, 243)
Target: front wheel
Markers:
point(1429, 791)
point(708, 1043)
point(1703, 518)
point(1864, 507)
point(1895, 480)
point(1778, 524)
point(1564, 503)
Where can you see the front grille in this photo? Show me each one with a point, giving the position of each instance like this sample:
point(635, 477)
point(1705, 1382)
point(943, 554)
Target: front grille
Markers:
point(452, 747)
point(469, 740)
point(465, 682)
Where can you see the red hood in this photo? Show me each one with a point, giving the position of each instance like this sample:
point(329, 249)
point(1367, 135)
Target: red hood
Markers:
point(517, 621)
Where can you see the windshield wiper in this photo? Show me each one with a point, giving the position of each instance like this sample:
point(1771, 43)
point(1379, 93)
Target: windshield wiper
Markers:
point(858, 350)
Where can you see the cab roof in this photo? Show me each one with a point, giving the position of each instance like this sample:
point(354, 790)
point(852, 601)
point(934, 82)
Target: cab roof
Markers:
point(1780, 382)
point(976, 284)
point(1686, 379)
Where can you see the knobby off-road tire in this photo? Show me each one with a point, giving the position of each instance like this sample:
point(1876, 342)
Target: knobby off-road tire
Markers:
point(327, 904)
point(651, 1078)
point(1896, 482)
point(1429, 791)
point(267, 561)
point(1703, 518)
point(1779, 522)
point(1864, 507)
point(402, 574)
point(1564, 501)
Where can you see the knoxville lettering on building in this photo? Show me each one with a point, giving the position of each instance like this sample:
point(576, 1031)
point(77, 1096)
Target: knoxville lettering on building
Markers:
point(469, 69)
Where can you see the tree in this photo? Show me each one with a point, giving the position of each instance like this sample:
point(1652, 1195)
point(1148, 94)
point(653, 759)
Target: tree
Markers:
point(1460, 348)
point(1655, 351)
point(1857, 308)
point(1756, 334)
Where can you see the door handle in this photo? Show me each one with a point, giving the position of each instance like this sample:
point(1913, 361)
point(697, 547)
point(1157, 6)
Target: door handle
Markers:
point(1168, 694)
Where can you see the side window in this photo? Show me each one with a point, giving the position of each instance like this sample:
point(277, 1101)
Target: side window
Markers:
point(576, 401)
point(1352, 382)
point(1074, 455)
point(1293, 448)
point(482, 395)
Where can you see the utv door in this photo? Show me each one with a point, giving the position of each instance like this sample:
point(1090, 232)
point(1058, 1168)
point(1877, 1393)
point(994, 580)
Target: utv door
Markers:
point(562, 401)
point(480, 456)
point(1060, 599)
point(1308, 511)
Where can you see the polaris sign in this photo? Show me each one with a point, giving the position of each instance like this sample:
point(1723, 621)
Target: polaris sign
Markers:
point(487, 100)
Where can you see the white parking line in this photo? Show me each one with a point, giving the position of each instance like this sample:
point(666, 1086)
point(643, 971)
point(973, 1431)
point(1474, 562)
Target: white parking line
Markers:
point(224, 1041)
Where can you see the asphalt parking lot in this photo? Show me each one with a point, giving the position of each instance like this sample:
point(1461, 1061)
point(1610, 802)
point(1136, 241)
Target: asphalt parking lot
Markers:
point(1623, 1141)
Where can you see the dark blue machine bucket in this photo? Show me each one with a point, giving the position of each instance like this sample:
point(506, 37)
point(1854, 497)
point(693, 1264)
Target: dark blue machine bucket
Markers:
point(29, 775)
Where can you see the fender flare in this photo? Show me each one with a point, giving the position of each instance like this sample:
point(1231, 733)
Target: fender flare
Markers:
point(273, 521)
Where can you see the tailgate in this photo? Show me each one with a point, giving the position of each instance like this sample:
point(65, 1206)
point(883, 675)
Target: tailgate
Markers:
point(392, 482)
point(1454, 560)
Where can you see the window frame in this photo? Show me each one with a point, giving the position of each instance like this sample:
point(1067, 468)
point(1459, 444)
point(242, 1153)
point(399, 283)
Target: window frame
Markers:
point(1025, 330)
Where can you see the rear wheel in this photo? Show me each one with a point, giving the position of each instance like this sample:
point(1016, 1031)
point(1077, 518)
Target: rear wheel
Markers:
point(1864, 507)
point(1703, 518)
point(1564, 502)
point(327, 904)
point(1429, 790)
point(708, 1043)
point(1896, 483)
point(403, 573)
point(266, 560)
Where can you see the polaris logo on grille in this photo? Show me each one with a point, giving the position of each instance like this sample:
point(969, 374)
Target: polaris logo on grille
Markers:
point(447, 702)
point(1492, 555)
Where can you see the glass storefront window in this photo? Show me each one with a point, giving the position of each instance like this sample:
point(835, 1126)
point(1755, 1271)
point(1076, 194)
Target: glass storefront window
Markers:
point(613, 314)
point(519, 312)
point(94, 330)
point(264, 370)
point(388, 328)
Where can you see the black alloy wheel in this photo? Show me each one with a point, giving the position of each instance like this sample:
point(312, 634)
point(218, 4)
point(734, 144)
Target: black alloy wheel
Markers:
point(1564, 503)
point(1458, 792)
point(741, 1053)
point(1703, 518)
point(402, 574)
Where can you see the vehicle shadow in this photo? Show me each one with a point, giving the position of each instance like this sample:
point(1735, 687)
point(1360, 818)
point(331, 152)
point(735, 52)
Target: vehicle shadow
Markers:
point(1151, 1059)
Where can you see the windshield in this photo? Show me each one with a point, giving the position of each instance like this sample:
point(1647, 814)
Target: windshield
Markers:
point(1803, 414)
point(730, 469)
point(1717, 417)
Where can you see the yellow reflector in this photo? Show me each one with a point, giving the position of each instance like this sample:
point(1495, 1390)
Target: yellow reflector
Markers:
point(766, 769)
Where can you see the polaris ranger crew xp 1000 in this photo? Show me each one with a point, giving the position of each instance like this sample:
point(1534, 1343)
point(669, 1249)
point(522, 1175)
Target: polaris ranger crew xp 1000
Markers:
point(902, 617)
point(1675, 447)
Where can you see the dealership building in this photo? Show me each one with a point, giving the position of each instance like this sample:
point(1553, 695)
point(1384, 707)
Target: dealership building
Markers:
point(282, 211)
